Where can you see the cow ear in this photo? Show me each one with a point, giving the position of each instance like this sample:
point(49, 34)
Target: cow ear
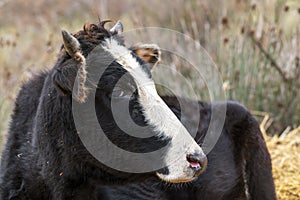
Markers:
point(72, 46)
point(118, 28)
point(150, 53)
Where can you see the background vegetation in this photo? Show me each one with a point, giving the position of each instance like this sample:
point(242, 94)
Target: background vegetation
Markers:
point(255, 44)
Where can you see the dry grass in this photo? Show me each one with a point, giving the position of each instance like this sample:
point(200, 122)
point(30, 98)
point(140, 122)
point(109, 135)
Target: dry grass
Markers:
point(286, 162)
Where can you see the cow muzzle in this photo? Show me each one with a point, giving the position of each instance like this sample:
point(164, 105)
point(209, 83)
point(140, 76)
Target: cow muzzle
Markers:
point(186, 167)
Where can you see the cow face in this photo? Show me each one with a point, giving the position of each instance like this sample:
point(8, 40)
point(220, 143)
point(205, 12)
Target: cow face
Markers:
point(128, 108)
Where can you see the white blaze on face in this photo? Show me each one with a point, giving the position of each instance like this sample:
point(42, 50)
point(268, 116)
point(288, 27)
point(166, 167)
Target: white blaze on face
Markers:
point(157, 114)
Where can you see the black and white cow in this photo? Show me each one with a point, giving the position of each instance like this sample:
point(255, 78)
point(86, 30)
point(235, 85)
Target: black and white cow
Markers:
point(44, 157)
point(239, 165)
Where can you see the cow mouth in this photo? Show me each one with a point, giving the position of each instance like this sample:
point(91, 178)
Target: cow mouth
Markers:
point(188, 175)
point(182, 180)
point(170, 179)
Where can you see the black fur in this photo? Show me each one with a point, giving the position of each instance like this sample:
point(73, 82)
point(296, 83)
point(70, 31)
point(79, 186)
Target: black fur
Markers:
point(239, 162)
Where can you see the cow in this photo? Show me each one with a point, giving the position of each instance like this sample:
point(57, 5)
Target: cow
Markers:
point(45, 156)
point(239, 165)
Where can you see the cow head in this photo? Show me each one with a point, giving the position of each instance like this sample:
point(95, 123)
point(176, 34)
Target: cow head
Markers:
point(126, 82)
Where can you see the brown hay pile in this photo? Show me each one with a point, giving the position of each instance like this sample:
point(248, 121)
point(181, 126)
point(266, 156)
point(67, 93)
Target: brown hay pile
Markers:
point(285, 153)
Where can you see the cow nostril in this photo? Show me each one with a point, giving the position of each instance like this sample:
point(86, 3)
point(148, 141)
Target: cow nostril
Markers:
point(194, 160)
point(197, 162)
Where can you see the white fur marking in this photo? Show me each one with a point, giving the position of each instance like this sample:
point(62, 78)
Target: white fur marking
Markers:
point(157, 113)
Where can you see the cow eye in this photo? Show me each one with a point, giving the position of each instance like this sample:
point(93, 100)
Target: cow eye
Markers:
point(120, 93)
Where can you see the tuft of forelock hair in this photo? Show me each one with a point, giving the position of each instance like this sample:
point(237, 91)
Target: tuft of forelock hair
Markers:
point(80, 91)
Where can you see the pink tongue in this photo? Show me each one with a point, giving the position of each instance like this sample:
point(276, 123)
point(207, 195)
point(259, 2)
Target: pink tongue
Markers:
point(195, 164)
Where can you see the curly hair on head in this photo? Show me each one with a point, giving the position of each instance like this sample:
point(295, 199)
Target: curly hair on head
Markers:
point(94, 31)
